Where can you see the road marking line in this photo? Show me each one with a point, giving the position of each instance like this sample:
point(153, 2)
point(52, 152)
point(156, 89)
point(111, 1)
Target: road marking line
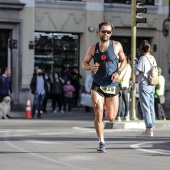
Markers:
point(6, 139)
point(41, 142)
point(137, 147)
point(59, 133)
point(39, 134)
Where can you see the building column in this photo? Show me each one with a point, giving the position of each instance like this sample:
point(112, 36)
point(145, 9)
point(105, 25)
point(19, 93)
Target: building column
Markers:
point(94, 16)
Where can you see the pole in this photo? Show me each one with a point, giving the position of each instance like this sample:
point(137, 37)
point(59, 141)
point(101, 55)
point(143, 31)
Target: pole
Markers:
point(133, 55)
point(52, 56)
point(9, 54)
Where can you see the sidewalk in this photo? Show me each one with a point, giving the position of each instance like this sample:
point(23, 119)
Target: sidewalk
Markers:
point(138, 124)
point(135, 124)
point(76, 113)
point(80, 114)
point(167, 113)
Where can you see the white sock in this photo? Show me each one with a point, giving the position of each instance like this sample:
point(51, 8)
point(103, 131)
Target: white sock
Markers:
point(101, 139)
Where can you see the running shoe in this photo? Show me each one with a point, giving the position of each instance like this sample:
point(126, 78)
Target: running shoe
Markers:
point(118, 119)
point(54, 111)
point(146, 134)
point(101, 148)
point(126, 119)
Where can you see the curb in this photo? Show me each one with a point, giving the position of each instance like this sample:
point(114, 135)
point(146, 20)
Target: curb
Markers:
point(124, 125)
point(135, 125)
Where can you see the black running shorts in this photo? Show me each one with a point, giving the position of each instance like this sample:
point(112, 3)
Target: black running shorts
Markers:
point(96, 88)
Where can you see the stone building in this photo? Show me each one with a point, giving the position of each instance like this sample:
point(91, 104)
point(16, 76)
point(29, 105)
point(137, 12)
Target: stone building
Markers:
point(50, 34)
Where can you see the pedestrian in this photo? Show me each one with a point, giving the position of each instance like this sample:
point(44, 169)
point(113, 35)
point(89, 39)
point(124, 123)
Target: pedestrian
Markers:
point(64, 74)
point(75, 81)
point(5, 86)
point(109, 61)
point(146, 91)
point(68, 95)
point(39, 88)
point(44, 104)
point(160, 91)
point(56, 92)
point(87, 85)
point(124, 97)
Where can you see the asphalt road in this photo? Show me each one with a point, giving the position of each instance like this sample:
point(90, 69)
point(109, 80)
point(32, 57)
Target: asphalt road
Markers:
point(69, 142)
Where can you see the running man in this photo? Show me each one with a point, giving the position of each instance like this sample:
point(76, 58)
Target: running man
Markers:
point(109, 60)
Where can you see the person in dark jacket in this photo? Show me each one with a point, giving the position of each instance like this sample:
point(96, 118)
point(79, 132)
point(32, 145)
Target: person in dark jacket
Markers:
point(75, 77)
point(56, 92)
point(5, 86)
point(39, 88)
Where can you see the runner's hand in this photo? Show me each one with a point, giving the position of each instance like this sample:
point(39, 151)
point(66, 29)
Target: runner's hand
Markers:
point(115, 77)
point(95, 67)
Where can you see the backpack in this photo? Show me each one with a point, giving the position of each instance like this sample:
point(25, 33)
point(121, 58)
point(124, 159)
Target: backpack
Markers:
point(153, 76)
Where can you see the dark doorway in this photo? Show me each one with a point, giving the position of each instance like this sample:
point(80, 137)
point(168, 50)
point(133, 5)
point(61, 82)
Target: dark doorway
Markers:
point(126, 43)
point(4, 36)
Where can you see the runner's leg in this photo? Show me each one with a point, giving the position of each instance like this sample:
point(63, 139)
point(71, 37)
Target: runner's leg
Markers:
point(98, 102)
point(112, 105)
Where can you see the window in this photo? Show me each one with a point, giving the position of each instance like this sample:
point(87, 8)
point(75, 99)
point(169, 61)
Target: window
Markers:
point(53, 51)
point(118, 1)
point(148, 2)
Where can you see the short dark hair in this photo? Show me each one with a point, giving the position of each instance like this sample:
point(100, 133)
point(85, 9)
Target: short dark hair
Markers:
point(145, 47)
point(159, 70)
point(106, 23)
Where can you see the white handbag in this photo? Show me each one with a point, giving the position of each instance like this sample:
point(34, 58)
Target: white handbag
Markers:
point(86, 100)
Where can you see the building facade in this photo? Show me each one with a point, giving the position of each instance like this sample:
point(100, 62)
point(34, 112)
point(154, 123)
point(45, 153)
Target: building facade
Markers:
point(50, 34)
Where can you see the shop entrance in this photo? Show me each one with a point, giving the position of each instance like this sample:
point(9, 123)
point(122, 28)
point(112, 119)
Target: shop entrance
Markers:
point(126, 43)
point(53, 51)
point(4, 54)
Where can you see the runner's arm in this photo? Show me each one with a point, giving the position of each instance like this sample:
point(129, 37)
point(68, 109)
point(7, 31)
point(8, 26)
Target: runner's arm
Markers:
point(123, 62)
point(122, 58)
point(86, 63)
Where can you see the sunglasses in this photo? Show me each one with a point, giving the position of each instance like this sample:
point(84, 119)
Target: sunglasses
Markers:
point(106, 31)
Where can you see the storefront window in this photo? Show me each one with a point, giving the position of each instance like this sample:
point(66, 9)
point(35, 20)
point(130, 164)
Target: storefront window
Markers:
point(147, 2)
point(53, 51)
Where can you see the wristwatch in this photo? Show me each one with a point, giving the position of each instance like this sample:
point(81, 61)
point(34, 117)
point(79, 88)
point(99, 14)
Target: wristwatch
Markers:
point(119, 72)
